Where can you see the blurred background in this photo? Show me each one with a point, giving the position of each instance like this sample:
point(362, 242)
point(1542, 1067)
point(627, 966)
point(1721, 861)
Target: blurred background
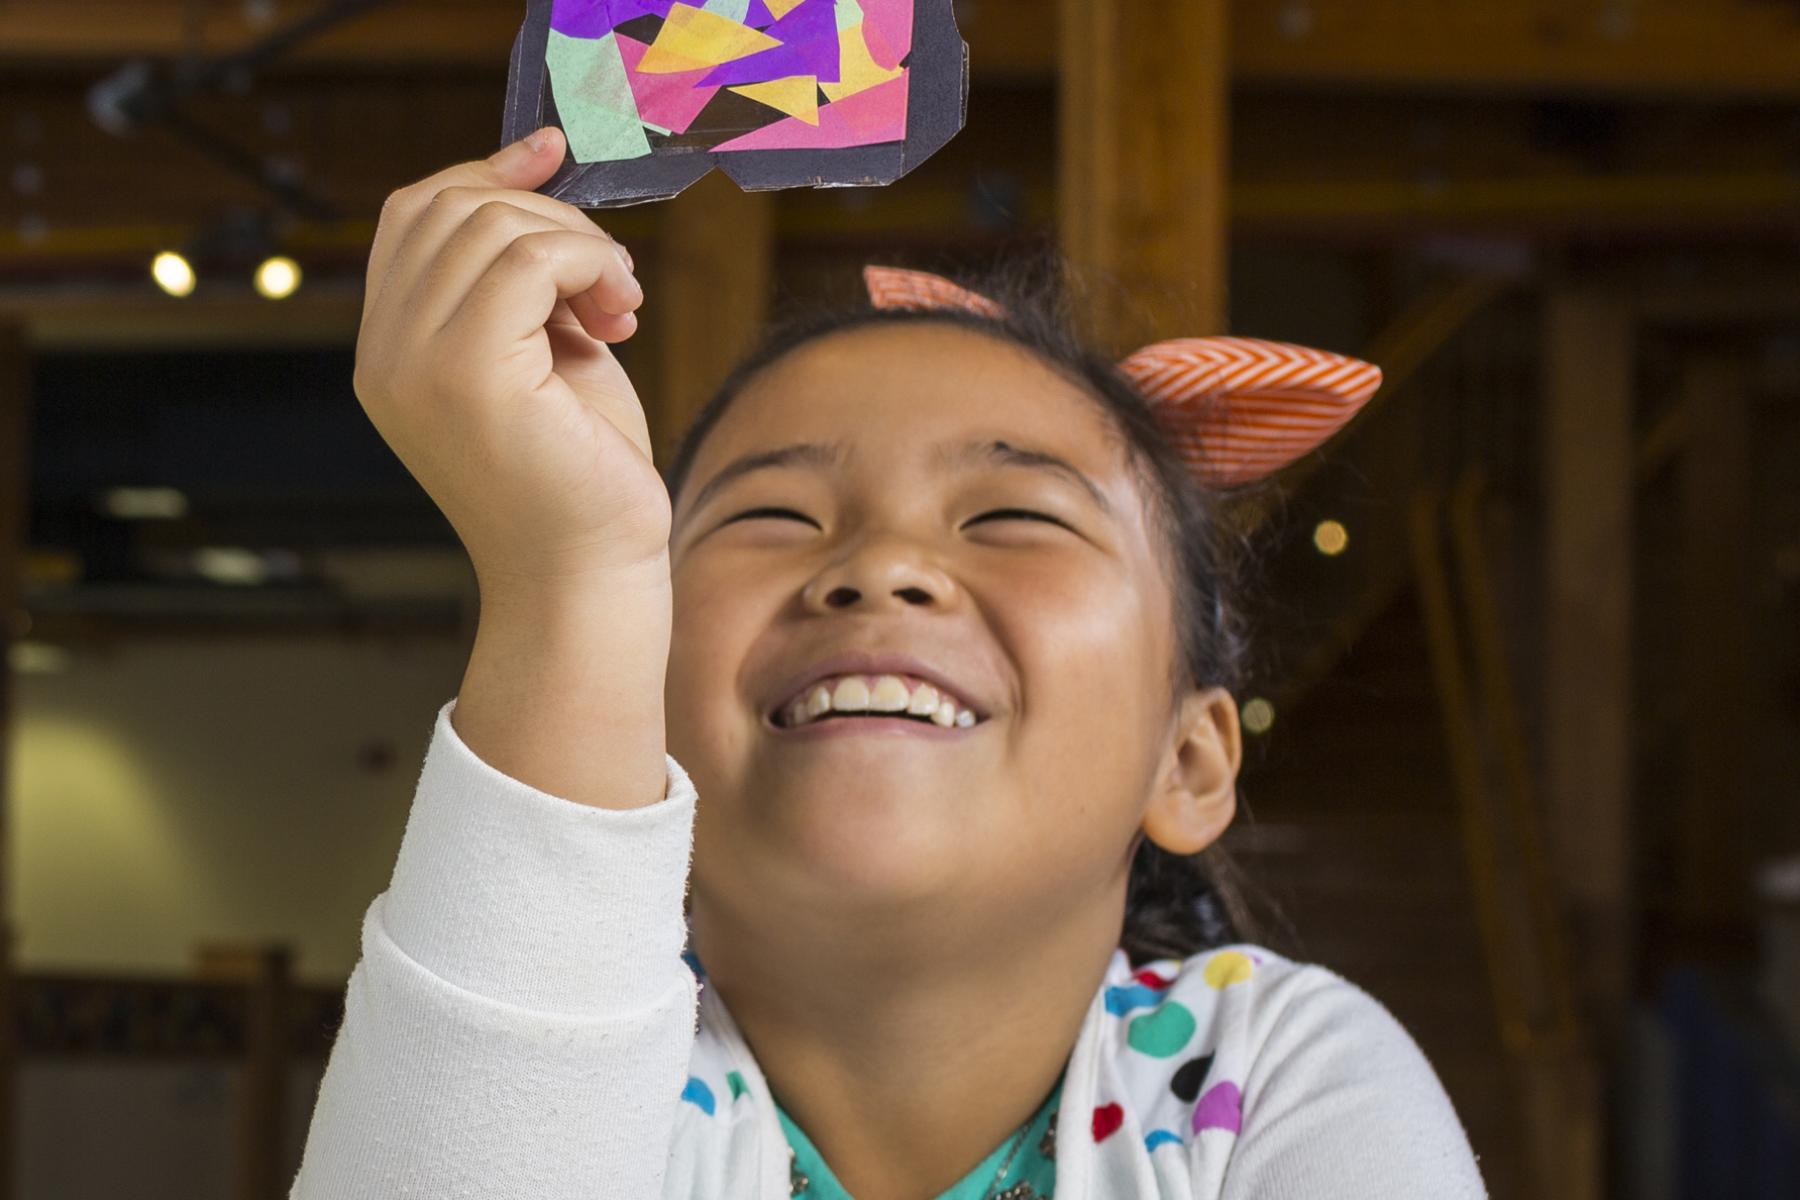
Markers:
point(1526, 730)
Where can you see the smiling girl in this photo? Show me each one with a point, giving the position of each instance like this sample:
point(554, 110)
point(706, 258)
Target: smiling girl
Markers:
point(831, 818)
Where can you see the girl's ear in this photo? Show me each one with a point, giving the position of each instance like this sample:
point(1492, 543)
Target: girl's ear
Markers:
point(1196, 790)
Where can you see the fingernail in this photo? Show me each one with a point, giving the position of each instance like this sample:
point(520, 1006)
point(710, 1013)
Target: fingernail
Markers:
point(626, 255)
point(624, 261)
point(522, 149)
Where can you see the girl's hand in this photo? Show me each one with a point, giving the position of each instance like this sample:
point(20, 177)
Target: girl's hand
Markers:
point(483, 361)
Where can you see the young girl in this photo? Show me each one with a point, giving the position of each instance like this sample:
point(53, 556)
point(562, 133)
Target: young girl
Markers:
point(929, 613)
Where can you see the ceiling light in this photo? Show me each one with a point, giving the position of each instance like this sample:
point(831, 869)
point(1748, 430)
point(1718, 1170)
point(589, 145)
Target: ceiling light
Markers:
point(143, 503)
point(172, 273)
point(1258, 715)
point(277, 277)
point(233, 565)
point(37, 658)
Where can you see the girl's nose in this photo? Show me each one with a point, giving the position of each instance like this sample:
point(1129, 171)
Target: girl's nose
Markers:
point(875, 575)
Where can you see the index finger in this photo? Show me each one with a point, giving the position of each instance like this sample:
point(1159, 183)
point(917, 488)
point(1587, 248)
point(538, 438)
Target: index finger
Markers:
point(523, 164)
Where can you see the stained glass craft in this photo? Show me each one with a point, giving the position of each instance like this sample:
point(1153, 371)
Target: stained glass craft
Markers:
point(653, 94)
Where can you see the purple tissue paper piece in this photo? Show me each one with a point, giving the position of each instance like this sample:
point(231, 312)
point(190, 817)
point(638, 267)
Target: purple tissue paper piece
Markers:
point(758, 15)
point(597, 18)
point(809, 46)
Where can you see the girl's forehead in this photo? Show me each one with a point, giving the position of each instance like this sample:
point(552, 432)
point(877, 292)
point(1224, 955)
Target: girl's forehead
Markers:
point(899, 388)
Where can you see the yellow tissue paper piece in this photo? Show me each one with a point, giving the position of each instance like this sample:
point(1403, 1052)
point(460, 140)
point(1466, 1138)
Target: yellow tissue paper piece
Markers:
point(692, 38)
point(857, 69)
point(795, 95)
point(782, 8)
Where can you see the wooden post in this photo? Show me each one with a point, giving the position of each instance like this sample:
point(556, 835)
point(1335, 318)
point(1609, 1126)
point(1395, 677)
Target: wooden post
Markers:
point(1711, 885)
point(1143, 112)
point(261, 1116)
point(15, 485)
point(1588, 479)
point(715, 248)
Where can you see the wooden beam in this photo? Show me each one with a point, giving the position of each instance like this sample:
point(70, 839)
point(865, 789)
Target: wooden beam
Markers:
point(448, 32)
point(715, 249)
point(264, 971)
point(1010, 38)
point(1143, 144)
point(1644, 47)
point(1370, 167)
point(1711, 844)
point(1720, 48)
point(15, 482)
point(126, 316)
point(1589, 456)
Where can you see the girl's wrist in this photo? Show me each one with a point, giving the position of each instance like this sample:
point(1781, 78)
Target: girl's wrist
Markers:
point(564, 686)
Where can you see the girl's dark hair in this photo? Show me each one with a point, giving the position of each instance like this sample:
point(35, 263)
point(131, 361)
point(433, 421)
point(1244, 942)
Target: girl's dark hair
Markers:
point(1176, 905)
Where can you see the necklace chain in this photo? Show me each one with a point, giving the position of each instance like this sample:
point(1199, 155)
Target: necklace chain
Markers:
point(1018, 1141)
point(1019, 1191)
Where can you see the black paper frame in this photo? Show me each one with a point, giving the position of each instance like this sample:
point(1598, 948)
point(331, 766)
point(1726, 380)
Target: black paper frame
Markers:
point(936, 107)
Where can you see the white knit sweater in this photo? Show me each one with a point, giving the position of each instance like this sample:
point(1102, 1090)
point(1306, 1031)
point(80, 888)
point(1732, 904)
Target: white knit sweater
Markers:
point(522, 1026)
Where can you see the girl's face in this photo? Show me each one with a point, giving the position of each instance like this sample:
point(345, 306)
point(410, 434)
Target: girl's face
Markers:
point(926, 502)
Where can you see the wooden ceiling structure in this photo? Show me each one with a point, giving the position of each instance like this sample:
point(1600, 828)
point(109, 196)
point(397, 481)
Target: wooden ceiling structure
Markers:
point(1146, 138)
point(1354, 121)
point(1699, 133)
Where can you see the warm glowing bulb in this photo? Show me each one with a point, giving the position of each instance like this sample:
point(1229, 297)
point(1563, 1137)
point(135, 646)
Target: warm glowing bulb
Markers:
point(1258, 715)
point(143, 503)
point(172, 273)
point(37, 658)
point(1331, 537)
point(277, 277)
point(233, 565)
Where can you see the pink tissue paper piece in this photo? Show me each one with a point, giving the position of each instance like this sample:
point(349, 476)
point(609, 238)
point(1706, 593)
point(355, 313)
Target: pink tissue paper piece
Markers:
point(888, 30)
point(671, 101)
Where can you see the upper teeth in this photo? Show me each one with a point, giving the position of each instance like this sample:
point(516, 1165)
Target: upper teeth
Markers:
point(879, 693)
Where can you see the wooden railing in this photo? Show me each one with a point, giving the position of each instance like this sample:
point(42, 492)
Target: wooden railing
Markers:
point(241, 1006)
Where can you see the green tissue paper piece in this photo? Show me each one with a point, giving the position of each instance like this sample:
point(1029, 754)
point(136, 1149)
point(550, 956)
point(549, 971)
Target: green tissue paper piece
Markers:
point(849, 13)
point(737, 10)
point(593, 99)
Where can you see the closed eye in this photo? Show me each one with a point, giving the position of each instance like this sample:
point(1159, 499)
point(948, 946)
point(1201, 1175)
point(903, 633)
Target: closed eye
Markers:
point(786, 513)
point(1020, 514)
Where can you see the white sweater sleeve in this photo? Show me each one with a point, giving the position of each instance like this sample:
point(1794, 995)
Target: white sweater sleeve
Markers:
point(1341, 1102)
point(520, 1022)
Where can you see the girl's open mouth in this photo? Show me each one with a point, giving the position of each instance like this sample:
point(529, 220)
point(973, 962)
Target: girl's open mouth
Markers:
point(868, 703)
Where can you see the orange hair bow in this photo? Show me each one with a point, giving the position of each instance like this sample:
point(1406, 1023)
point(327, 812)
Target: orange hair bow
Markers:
point(1236, 409)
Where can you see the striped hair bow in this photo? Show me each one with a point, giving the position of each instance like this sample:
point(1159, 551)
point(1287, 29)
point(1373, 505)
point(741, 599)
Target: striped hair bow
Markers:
point(1236, 409)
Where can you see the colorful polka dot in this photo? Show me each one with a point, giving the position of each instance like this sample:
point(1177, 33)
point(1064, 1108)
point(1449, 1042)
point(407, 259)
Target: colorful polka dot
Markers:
point(1162, 1033)
point(1187, 1082)
point(1221, 1108)
point(1157, 1137)
point(1226, 968)
point(1151, 979)
point(738, 1087)
point(1107, 1119)
point(697, 1093)
point(693, 962)
point(1121, 1000)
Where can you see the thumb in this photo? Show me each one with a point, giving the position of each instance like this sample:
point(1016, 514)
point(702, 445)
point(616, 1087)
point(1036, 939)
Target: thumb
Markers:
point(530, 160)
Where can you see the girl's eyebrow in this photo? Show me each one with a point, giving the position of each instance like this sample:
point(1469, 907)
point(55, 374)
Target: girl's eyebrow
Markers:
point(818, 456)
point(996, 452)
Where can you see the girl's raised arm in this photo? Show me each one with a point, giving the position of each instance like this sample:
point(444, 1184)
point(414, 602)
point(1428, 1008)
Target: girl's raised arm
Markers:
point(520, 1021)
